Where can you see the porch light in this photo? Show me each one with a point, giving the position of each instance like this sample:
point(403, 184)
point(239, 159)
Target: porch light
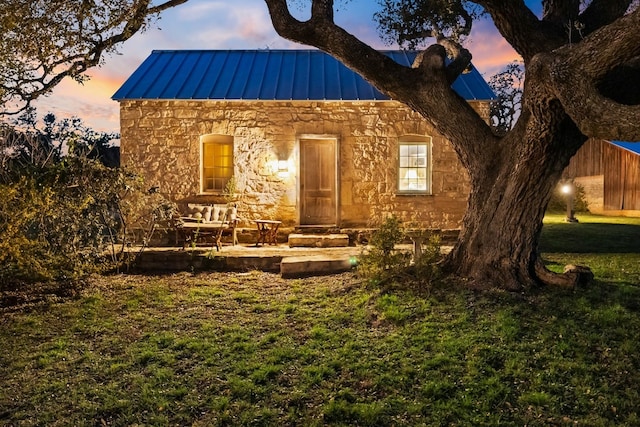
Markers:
point(283, 166)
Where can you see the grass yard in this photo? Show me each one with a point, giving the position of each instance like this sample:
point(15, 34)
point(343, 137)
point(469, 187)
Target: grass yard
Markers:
point(255, 349)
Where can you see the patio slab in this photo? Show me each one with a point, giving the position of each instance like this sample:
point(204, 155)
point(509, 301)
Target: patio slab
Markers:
point(290, 262)
point(318, 240)
point(314, 265)
point(249, 257)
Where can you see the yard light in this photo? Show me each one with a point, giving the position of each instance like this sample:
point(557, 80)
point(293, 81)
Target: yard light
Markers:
point(568, 190)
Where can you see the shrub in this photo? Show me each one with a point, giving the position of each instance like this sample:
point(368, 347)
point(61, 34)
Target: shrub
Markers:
point(68, 215)
point(383, 262)
point(427, 266)
point(24, 253)
point(61, 221)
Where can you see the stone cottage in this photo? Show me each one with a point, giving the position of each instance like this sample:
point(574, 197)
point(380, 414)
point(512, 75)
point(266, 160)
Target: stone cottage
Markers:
point(306, 140)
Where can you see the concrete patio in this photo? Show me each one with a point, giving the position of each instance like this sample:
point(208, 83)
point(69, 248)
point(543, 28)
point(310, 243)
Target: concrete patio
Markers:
point(300, 255)
point(280, 258)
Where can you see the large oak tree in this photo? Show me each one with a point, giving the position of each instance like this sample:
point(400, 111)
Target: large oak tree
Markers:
point(582, 62)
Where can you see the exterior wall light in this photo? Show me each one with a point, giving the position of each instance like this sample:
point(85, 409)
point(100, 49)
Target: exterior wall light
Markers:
point(283, 166)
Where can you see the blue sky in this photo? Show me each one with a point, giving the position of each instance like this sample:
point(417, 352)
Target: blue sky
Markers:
point(219, 24)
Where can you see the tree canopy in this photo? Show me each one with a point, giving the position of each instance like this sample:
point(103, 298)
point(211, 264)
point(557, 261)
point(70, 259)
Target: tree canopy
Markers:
point(44, 41)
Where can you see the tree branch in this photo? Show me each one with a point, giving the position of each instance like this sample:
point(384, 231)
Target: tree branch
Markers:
point(560, 11)
point(425, 87)
point(522, 29)
point(577, 72)
point(164, 6)
point(75, 47)
point(374, 66)
point(461, 59)
point(322, 10)
point(602, 12)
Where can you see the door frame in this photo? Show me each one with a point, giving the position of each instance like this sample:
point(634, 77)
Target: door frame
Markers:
point(336, 140)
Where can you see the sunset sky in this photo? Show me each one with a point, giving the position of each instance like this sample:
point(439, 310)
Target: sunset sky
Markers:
point(215, 24)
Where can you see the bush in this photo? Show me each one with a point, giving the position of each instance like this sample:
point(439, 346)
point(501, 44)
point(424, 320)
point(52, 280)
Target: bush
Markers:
point(23, 251)
point(383, 262)
point(65, 216)
point(426, 268)
point(72, 218)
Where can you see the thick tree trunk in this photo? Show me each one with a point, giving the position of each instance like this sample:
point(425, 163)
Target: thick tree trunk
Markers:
point(497, 246)
point(498, 243)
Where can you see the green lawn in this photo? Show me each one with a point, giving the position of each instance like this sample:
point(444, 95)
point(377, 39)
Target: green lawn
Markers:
point(609, 245)
point(254, 349)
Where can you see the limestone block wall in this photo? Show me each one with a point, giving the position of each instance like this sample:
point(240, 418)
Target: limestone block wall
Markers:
point(161, 140)
point(593, 187)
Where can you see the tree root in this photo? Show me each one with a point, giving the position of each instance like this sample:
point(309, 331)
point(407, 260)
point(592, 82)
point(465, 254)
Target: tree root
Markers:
point(573, 275)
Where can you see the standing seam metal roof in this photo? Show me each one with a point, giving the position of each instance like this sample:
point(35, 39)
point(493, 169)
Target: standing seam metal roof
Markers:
point(634, 147)
point(265, 75)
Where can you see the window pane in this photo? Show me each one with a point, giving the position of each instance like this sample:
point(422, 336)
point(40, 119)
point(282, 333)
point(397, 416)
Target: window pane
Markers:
point(413, 173)
point(217, 165)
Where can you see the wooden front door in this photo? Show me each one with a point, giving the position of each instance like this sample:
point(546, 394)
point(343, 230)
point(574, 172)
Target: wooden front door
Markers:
point(318, 195)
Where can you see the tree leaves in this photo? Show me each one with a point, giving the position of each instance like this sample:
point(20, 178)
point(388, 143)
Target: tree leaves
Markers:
point(410, 23)
point(45, 41)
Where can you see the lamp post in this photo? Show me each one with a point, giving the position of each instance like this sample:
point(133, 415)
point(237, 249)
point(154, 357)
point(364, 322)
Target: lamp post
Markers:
point(568, 190)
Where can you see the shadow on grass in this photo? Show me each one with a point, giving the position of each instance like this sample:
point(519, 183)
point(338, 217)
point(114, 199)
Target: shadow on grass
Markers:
point(590, 238)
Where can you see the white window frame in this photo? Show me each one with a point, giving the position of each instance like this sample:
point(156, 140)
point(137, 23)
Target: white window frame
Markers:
point(414, 165)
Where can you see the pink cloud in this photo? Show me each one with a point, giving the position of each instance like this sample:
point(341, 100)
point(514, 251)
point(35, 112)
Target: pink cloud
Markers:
point(491, 52)
point(91, 102)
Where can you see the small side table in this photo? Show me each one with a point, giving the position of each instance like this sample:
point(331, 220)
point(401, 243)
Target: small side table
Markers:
point(267, 231)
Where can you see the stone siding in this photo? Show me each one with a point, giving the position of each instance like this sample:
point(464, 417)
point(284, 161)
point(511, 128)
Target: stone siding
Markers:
point(161, 140)
point(593, 187)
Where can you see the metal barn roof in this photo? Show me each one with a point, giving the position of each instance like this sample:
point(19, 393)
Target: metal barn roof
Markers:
point(634, 147)
point(265, 75)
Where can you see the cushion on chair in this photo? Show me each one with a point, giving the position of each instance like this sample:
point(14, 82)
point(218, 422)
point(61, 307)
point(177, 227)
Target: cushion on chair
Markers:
point(216, 214)
point(206, 215)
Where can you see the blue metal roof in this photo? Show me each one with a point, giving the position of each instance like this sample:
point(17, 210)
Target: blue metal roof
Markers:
point(265, 75)
point(634, 147)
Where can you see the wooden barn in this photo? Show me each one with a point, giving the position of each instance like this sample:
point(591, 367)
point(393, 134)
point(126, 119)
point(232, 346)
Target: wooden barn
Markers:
point(609, 172)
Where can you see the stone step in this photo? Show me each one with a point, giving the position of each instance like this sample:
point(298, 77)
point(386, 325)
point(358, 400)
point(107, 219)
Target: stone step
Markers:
point(318, 240)
point(314, 265)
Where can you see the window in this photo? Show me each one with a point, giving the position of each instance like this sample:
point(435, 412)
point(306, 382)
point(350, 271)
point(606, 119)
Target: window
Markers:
point(216, 161)
point(414, 173)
